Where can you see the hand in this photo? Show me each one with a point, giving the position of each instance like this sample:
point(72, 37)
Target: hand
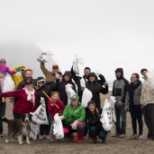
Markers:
point(74, 125)
point(126, 108)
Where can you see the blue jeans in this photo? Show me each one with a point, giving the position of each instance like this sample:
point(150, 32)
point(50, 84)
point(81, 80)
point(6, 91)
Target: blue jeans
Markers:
point(2, 113)
point(101, 133)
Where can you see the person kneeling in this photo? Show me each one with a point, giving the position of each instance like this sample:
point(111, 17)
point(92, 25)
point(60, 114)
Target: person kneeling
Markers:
point(74, 117)
point(95, 126)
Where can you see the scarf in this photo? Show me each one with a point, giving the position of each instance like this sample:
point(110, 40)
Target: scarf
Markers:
point(132, 88)
point(30, 95)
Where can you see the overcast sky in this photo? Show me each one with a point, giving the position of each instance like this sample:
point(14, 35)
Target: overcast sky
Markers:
point(106, 33)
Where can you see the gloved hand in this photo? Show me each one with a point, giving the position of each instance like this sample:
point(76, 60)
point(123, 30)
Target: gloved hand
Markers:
point(61, 117)
point(74, 125)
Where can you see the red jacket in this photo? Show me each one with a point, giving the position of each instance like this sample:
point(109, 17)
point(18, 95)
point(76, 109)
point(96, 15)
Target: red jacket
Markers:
point(53, 109)
point(22, 105)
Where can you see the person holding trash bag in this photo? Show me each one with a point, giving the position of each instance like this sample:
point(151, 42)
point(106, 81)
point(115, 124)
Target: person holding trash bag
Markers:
point(74, 117)
point(94, 124)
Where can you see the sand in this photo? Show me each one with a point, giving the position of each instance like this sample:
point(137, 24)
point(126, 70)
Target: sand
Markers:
point(113, 145)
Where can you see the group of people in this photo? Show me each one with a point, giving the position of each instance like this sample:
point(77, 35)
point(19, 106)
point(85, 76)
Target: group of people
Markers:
point(136, 97)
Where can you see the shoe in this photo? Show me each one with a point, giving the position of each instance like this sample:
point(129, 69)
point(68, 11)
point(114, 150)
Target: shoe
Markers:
point(79, 137)
point(1, 135)
point(121, 136)
point(115, 135)
point(134, 136)
point(71, 138)
point(140, 136)
point(94, 138)
point(41, 137)
point(47, 137)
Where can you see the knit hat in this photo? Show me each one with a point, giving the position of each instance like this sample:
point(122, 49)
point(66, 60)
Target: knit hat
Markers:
point(55, 66)
point(75, 97)
point(2, 60)
point(91, 103)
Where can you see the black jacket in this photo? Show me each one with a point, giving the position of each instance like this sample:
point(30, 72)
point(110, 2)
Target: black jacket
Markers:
point(96, 89)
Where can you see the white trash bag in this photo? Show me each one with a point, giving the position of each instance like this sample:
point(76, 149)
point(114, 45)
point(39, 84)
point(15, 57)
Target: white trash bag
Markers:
point(40, 115)
point(8, 83)
point(58, 127)
point(108, 114)
point(76, 63)
point(86, 97)
point(45, 56)
point(70, 92)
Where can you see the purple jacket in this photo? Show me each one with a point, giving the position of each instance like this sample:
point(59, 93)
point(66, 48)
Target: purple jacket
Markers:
point(5, 69)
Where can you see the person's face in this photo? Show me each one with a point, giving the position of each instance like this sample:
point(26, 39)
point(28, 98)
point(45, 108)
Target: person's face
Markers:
point(2, 63)
point(55, 97)
point(75, 102)
point(144, 73)
point(87, 72)
point(92, 107)
point(29, 87)
point(67, 78)
point(92, 79)
point(29, 74)
point(55, 70)
point(134, 79)
point(118, 74)
point(40, 84)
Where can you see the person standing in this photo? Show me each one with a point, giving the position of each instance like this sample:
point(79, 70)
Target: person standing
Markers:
point(147, 102)
point(133, 104)
point(120, 87)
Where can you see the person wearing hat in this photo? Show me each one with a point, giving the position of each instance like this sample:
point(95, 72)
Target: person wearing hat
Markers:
point(66, 79)
point(27, 99)
point(94, 124)
point(51, 75)
point(44, 90)
point(96, 88)
point(74, 117)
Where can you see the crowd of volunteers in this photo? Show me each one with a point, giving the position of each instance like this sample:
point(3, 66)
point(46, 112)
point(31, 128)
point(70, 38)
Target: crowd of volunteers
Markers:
point(134, 96)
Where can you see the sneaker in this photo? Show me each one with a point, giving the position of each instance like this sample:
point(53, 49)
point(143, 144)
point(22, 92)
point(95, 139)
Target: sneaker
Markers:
point(115, 135)
point(1, 135)
point(47, 137)
point(121, 136)
point(134, 136)
point(41, 137)
point(140, 136)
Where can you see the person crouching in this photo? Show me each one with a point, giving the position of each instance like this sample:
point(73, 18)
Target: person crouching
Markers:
point(95, 126)
point(74, 117)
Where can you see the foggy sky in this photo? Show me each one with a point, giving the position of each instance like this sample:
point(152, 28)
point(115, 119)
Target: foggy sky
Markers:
point(107, 34)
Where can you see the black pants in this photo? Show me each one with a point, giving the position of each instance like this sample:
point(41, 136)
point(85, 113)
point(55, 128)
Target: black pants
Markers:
point(148, 112)
point(136, 115)
point(2, 113)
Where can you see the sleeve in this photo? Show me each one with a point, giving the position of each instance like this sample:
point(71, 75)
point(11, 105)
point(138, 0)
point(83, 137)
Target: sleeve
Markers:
point(43, 68)
point(126, 89)
point(66, 111)
point(50, 107)
point(82, 116)
point(61, 105)
point(11, 94)
point(127, 98)
point(102, 79)
point(10, 71)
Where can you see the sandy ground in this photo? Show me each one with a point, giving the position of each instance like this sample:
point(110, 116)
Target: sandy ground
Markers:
point(113, 145)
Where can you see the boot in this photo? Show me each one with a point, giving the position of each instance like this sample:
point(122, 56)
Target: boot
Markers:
point(94, 137)
point(79, 137)
point(71, 137)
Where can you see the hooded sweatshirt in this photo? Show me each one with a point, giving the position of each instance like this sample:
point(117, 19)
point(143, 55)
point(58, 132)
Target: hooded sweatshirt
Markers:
point(120, 87)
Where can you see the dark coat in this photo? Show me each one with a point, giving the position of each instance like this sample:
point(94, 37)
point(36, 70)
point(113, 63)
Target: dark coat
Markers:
point(96, 89)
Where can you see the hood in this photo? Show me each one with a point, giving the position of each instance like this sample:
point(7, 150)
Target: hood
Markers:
point(67, 73)
point(122, 73)
point(92, 74)
point(41, 79)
